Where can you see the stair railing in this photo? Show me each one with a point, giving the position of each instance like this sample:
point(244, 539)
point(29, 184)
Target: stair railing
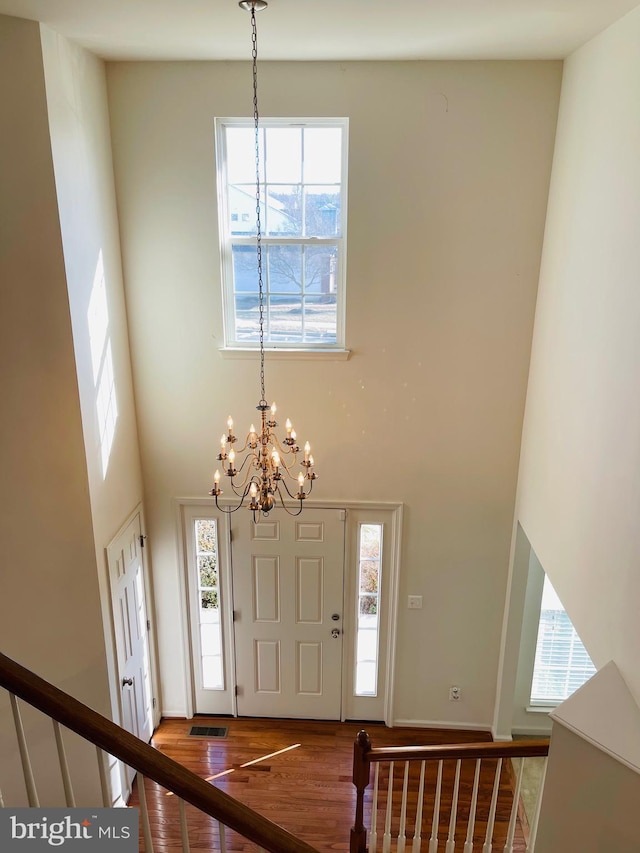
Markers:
point(457, 795)
point(149, 763)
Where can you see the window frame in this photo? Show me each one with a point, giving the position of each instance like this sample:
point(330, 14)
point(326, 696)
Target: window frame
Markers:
point(572, 642)
point(359, 595)
point(227, 240)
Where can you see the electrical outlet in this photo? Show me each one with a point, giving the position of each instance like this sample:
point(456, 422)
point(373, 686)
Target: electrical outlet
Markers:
point(455, 694)
point(415, 602)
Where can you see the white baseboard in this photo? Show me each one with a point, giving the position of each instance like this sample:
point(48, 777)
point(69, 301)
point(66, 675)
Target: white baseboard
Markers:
point(443, 724)
point(532, 731)
point(175, 715)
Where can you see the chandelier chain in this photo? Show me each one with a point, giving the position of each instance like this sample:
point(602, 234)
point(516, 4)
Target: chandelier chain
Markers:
point(259, 469)
point(256, 125)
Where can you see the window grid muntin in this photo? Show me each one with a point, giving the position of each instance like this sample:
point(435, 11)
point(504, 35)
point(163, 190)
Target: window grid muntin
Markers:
point(307, 297)
point(200, 554)
point(233, 337)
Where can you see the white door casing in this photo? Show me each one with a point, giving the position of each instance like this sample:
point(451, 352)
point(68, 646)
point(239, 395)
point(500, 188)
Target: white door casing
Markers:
point(288, 613)
point(352, 707)
point(126, 575)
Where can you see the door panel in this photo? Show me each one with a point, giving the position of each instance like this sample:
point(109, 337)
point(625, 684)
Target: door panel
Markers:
point(130, 625)
point(288, 584)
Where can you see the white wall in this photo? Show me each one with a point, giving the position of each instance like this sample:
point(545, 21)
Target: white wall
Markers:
point(49, 601)
point(440, 304)
point(81, 147)
point(579, 489)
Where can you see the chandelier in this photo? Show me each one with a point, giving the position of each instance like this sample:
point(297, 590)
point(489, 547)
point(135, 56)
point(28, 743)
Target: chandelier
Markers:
point(260, 471)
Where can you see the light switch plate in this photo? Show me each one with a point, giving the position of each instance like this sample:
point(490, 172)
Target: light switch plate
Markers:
point(415, 602)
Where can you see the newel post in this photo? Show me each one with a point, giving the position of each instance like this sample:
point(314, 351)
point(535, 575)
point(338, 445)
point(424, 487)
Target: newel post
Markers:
point(361, 778)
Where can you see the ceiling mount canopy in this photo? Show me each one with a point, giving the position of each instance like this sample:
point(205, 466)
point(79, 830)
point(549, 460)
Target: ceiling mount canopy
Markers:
point(265, 464)
point(250, 5)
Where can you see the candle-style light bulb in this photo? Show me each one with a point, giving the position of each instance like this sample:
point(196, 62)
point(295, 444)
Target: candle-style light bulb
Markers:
point(232, 459)
point(223, 442)
point(274, 409)
point(253, 491)
point(230, 425)
point(288, 428)
point(311, 462)
point(300, 480)
point(275, 458)
point(216, 477)
point(307, 451)
point(293, 435)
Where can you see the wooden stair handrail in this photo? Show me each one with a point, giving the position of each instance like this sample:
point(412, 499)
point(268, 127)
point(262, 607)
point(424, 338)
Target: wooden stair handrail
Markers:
point(145, 759)
point(364, 755)
point(439, 752)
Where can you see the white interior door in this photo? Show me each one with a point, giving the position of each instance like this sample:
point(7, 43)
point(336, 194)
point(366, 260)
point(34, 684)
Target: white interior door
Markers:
point(130, 624)
point(288, 613)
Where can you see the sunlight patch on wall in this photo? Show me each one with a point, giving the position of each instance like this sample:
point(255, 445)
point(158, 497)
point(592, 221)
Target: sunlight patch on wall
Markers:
point(102, 364)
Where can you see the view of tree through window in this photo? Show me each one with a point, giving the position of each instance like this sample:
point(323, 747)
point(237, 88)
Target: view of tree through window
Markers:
point(206, 541)
point(302, 186)
point(369, 563)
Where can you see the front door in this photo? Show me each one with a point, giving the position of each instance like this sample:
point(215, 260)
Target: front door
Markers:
point(130, 624)
point(288, 576)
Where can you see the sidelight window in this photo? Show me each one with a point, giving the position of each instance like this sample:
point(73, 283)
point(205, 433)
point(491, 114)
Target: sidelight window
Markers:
point(368, 616)
point(208, 586)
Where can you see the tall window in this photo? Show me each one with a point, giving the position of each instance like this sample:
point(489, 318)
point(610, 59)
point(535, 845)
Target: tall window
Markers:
point(206, 539)
point(562, 663)
point(303, 226)
point(367, 642)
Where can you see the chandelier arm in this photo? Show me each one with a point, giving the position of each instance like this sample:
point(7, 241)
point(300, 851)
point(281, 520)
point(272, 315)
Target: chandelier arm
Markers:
point(249, 477)
point(293, 497)
point(287, 449)
point(229, 510)
point(287, 468)
point(286, 508)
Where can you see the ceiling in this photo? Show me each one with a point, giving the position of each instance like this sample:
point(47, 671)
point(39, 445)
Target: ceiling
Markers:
point(327, 29)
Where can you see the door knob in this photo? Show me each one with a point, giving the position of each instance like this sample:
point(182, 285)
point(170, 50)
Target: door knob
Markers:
point(335, 633)
point(127, 682)
point(335, 616)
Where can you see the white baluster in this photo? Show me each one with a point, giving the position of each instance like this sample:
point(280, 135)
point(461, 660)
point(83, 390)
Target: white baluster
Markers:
point(373, 835)
point(417, 832)
point(223, 838)
point(184, 831)
point(102, 772)
point(386, 838)
point(508, 847)
point(435, 821)
point(451, 840)
point(534, 826)
point(1, 800)
point(144, 814)
point(29, 781)
point(64, 767)
point(488, 840)
point(402, 832)
point(468, 845)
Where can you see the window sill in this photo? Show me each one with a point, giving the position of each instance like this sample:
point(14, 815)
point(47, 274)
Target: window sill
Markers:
point(541, 709)
point(312, 354)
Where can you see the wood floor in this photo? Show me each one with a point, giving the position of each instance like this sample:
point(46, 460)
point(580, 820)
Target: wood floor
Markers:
point(295, 772)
